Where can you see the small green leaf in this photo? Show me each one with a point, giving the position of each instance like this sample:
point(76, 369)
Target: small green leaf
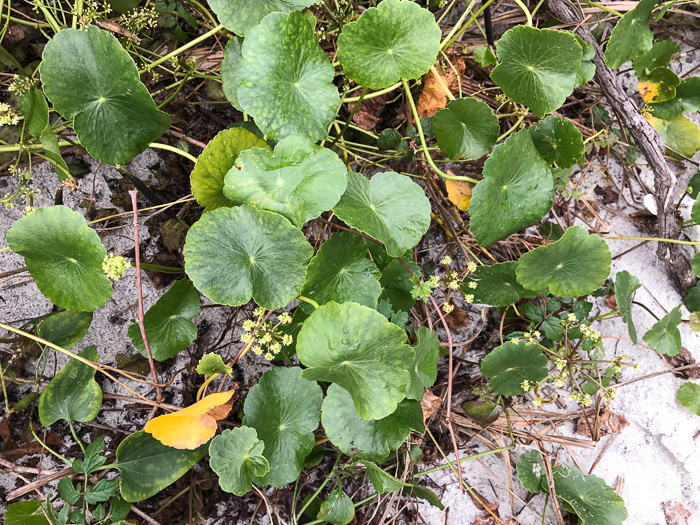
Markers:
point(424, 371)
point(530, 470)
point(553, 329)
point(64, 256)
point(586, 70)
point(357, 348)
point(687, 99)
point(146, 466)
point(383, 482)
point(664, 336)
point(631, 37)
point(692, 299)
point(695, 261)
point(466, 128)
point(558, 141)
point(390, 208)
point(101, 491)
point(299, 180)
point(90, 78)
point(483, 55)
point(235, 254)
point(538, 67)
point(678, 133)
point(284, 409)
point(337, 508)
point(396, 284)
point(574, 266)
point(625, 286)
point(211, 364)
point(25, 513)
point(389, 139)
point(516, 191)
point(496, 285)
point(119, 509)
point(68, 492)
point(168, 323)
point(65, 329)
point(286, 79)
point(240, 16)
point(341, 271)
point(658, 56)
point(689, 396)
point(92, 460)
point(236, 457)
point(218, 157)
point(35, 111)
point(397, 39)
point(73, 394)
point(368, 439)
point(508, 365)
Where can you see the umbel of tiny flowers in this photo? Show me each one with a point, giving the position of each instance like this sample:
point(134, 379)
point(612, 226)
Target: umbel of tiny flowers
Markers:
point(262, 335)
point(114, 266)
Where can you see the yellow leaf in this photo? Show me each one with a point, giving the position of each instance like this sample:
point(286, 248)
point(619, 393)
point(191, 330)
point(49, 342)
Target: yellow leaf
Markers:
point(192, 426)
point(459, 192)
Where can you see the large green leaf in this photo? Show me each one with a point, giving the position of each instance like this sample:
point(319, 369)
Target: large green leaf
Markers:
point(593, 501)
point(357, 348)
point(538, 67)
point(286, 79)
point(237, 457)
point(146, 466)
point(218, 157)
point(229, 70)
point(678, 133)
point(25, 513)
point(235, 254)
point(391, 208)
point(631, 36)
point(687, 99)
point(73, 394)
point(689, 396)
point(299, 180)
point(65, 329)
point(625, 286)
point(508, 365)
point(341, 271)
point(516, 191)
point(496, 285)
point(396, 39)
point(64, 256)
point(558, 141)
point(466, 128)
point(284, 409)
point(424, 371)
point(368, 439)
point(240, 16)
point(530, 470)
point(91, 79)
point(664, 336)
point(574, 266)
point(658, 56)
point(168, 323)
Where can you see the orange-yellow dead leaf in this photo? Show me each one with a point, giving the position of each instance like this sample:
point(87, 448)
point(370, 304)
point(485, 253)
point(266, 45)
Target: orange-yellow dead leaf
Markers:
point(439, 87)
point(459, 192)
point(193, 425)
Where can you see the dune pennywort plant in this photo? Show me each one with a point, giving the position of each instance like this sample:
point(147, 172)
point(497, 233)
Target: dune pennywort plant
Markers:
point(355, 291)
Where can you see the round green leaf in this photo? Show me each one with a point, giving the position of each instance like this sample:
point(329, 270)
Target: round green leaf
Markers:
point(65, 329)
point(424, 371)
point(658, 56)
point(689, 396)
point(299, 180)
point(390, 208)
point(236, 457)
point(678, 133)
point(574, 266)
point(73, 394)
point(240, 16)
point(538, 67)
point(357, 348)
point(593, 501)
point(558, 141)
point(341, 271)
point(483, 55)
point(168, 323)
point(530, 470)
point(211, 364)
point(337, 508)
point(368, 439)
point(516, 191)
point(284, 408)
point(286, 79)
point(229, 70)
point(397, 285)
point(146, 466)
point(90, 78)
point(64, 256)
point(25, 513)
point(218, 157)
point(508, 365)
point(466, 128)
point(664, 336)
point(496, 285)
point(625, 286)
point(398, 38)
point(631, 36)
point(235, 254)
point(695, 261)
